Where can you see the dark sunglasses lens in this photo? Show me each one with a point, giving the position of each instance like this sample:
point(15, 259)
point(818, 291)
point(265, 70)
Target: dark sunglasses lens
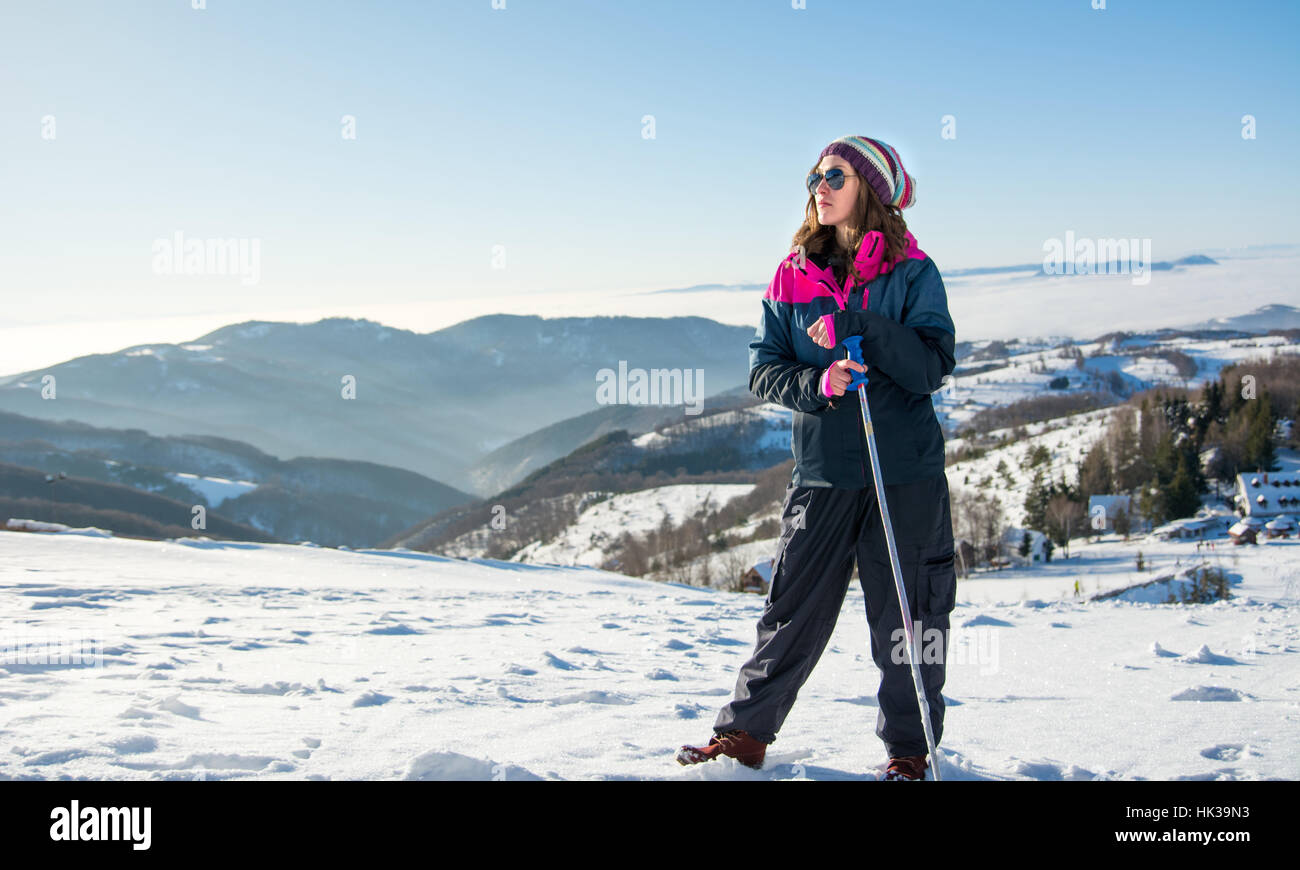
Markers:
point(834, 180)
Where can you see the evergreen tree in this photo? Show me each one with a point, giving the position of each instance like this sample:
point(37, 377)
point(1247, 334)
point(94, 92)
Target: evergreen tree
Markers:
point(1003, 470)
point(1130, 468)
point(1164, 461)
point(1259, 435)
point(1036, 503)
point(1095, 476)
point(1149, 503)
point(1212, 396)
point(1180, 497)
point(1122, 524)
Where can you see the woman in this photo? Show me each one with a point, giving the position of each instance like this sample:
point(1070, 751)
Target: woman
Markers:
point(855, 270)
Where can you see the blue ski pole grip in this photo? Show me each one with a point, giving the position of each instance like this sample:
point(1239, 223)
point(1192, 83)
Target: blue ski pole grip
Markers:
point(853, 344)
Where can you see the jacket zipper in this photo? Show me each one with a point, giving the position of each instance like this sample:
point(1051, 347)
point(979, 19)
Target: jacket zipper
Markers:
point(844, 306)
point(862, 463)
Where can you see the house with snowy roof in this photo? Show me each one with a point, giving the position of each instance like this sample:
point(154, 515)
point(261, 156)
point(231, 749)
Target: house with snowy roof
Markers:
point(1281, 526)
point(1197, 528)
point(1012, 540)
point(759, 577)
point(1268, 494)
point(1247, 530)
point(1108, 507)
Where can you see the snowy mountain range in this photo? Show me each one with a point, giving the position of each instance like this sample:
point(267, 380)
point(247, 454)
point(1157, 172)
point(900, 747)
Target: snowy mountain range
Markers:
point(355, 389)
point(348, 431)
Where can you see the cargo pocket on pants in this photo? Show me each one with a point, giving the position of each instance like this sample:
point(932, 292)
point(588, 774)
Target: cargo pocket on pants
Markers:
point(938, 579)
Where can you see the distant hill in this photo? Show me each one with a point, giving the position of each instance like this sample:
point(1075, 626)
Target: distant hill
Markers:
point(327, 501)
point(29, 493)
point(434, 403)
point(1261, 320)
point(723, 446)
point(512, 462)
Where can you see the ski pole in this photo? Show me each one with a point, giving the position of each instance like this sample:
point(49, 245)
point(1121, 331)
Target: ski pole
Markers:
point(853, 344)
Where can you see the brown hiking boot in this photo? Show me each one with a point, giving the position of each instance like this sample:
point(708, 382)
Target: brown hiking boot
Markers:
point(734, 744)
point(909, 767)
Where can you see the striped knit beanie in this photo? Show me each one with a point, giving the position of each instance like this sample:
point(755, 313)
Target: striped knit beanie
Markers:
point(880, 165)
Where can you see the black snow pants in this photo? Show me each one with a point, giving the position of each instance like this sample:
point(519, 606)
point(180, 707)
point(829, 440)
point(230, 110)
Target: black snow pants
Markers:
point(824, 530)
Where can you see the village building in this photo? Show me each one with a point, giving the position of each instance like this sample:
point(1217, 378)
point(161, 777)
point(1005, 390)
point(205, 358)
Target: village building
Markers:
point(1109, 507)
point(1246, 531)
point(758, 578)
point(1268, 494)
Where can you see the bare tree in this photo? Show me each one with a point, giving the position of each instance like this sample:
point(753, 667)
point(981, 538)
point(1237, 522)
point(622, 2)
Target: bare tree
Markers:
point(1064, 514)
point(734, 567)
point(979, 519)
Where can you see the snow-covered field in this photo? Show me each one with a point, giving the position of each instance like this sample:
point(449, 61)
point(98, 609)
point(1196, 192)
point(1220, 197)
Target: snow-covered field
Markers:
point(214, 490)
point(588, 540)
point(223, 660)
point(1067, 440)
point(1029, 367)
point(774, 418)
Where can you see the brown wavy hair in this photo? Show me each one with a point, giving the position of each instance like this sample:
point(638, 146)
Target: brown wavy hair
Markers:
point(868, 214)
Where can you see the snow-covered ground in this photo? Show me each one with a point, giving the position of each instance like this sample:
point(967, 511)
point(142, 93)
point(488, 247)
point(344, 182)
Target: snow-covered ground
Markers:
point(774, 418)
point(1029, 366)
point(225, 660)
point(214, 490)
point(588, 540)
point(1067, 440)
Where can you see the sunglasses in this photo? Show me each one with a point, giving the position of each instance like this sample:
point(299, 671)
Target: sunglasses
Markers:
point(834, 178)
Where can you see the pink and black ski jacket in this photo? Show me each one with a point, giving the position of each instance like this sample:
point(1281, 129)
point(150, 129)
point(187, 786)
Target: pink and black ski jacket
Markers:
point(908, 340)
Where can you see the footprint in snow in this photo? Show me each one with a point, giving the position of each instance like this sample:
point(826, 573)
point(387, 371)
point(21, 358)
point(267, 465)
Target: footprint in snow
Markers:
point(173, 704)
point(371, 699)
point(398, 628)
point(134, 744)
point(1209, 693)
point(985, 619)
point(1203, 656)
point(443, 766)
point(556, 662)
point(1229, 751)
point(593, 696)
point(1043, 771)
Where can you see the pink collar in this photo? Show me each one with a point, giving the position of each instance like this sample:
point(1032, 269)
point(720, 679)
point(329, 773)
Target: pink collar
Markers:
point(871, 257)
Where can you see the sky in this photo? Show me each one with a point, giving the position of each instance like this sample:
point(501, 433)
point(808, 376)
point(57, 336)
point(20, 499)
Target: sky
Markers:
point(551, 155)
